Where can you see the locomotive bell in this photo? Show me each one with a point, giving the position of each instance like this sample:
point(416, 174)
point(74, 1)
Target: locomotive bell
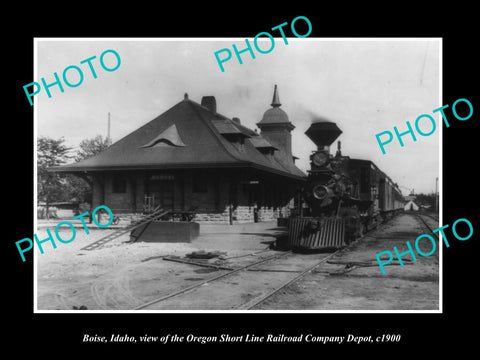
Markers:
point(323, 132)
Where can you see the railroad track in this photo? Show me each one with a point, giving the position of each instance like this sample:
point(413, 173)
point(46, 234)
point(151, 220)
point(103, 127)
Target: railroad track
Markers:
point(435, 218)
point(249, 305)
point(422, 219)
point(261, 296)
point(255, 302)
point(246, 269)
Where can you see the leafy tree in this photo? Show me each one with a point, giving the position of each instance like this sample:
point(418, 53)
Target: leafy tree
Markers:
point(50, 186)
point(80, 187)
point(91, 147)
point(54, 187)
point(426, 199)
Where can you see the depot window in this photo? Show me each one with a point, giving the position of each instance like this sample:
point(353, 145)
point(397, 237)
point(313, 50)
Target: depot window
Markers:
point(200, 184)
point(119, 185)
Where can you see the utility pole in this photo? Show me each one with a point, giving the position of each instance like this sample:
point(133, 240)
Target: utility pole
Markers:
point(108, 132)
point(436, 195)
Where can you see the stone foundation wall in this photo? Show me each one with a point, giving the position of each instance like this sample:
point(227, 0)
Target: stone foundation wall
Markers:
point(241, 215)
point(212, 218)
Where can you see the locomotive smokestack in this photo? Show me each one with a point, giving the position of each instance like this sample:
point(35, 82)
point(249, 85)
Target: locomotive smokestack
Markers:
point(323, 133)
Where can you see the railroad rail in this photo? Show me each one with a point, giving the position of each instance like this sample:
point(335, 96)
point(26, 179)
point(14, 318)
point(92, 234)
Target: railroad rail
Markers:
point(249, 305)
point(253, 302)
point(420, 217)
point(259, 299)
point(184, 290)
point(435, 218)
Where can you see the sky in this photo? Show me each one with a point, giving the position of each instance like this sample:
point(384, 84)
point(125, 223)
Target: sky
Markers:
point(366, 86)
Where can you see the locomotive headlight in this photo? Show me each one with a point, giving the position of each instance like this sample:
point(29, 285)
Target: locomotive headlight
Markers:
point(320, 158)
point(320, 192)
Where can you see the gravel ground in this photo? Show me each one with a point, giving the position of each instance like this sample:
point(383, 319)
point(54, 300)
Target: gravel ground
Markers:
point(69, 277)
point(122, 276)
point(336, 285)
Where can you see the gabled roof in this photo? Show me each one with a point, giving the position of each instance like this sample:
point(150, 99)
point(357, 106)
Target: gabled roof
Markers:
point(190, 137)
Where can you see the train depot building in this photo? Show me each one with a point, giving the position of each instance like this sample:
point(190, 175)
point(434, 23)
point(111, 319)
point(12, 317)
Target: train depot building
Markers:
point(193, 159)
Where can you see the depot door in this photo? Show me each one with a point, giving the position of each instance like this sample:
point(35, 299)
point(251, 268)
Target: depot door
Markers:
point(162, 191)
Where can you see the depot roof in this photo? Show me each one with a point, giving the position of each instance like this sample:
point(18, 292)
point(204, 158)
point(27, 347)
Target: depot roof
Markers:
point(188, 135)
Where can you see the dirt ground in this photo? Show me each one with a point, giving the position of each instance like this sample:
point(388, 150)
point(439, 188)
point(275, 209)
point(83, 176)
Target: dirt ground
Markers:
point(106, 278)
point(121, 276)
point(335, 286)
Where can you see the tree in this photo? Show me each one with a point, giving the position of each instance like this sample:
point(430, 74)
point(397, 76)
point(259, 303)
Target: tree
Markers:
point(65, 187)
point(80, 187)
point(91, 147)
point(50, 187)
point(426, 200)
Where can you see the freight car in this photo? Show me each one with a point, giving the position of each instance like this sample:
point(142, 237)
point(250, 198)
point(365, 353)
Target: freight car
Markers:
point(342, 198)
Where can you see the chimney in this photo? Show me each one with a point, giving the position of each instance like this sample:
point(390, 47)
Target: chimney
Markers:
point(236, 119)
point(210, 103)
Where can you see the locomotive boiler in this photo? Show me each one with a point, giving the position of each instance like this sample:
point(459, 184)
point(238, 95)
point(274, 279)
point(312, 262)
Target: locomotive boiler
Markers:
point(342, 198)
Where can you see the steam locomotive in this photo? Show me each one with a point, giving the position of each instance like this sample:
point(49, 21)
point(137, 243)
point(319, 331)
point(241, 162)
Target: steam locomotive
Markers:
point(343, 197)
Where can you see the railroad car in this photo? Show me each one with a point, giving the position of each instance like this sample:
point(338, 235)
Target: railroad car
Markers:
point(342, 198)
